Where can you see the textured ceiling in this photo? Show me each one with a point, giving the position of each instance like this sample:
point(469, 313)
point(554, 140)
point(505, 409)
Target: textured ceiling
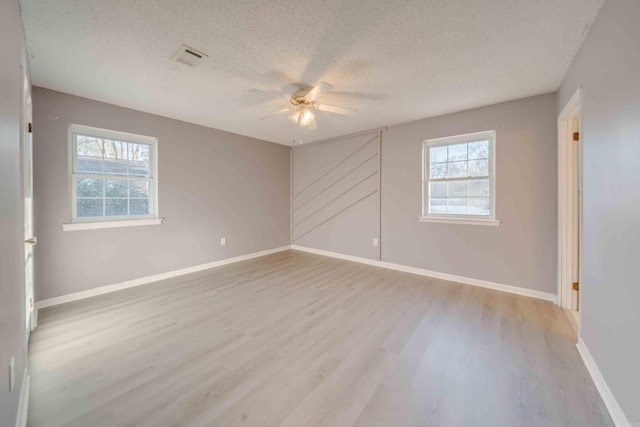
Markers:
point(395, 61)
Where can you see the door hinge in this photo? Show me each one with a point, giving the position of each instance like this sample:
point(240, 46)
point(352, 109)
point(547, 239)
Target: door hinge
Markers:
point(31, 303)
point(576, 136)
point(30, 127)
point(575, 286)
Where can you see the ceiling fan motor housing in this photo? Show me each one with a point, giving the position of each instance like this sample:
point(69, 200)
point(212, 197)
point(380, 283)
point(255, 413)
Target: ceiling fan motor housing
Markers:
point(300, 101)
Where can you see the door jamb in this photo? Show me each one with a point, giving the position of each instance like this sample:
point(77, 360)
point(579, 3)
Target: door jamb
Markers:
point(565, 174)
point(25, 82)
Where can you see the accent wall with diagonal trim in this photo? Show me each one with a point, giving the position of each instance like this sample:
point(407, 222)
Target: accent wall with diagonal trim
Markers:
point(335, 202)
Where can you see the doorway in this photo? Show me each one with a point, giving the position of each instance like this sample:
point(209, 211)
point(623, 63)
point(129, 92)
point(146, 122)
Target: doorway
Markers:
point(570, 139)
point(30, 240)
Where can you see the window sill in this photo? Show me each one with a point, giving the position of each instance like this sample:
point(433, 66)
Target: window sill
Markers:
point(77, 226)
point(465, 221)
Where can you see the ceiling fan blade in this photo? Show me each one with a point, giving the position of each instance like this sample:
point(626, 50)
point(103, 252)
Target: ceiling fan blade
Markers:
point(358, 95)
point(276, 113)
point(269, 94)
point(319, 90)
point(336, 110)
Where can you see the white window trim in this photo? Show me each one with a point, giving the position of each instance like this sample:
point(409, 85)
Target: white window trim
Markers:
point(489, 220)
point(460, 220)
point(110, 222)
point(94, 225)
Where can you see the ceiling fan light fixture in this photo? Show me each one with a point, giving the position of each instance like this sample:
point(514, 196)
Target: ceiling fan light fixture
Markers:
point(302, 116)
point(294, 115)
point(303, 103)
point(306, 117)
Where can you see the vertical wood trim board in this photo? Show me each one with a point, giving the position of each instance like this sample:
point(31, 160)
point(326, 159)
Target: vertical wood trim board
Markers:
point(380, 195)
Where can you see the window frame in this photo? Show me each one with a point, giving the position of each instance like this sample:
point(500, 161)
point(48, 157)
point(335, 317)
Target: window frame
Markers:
point(81, 223)
point(448, 218)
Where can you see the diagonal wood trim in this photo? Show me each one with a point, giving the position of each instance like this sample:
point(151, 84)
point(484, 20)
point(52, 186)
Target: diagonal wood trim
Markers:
point(335, 215)
point(334, 167)
point(336, 181)
point(335, 198)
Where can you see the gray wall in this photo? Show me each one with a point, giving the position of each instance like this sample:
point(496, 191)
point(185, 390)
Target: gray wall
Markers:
point(212, 184)
point(12, 324)
point(520, 252)
point(335, 195)
point(608, 69)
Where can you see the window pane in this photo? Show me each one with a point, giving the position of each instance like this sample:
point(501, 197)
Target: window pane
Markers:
point(115, 150)
point(139, 188)
point(457, 206)
point(89, 153)
point(479, 206)
point(116, 188)
point(89, 146)
point(438, 170)
point(457, 152)
point(115, 167)
point(90, 165)
point(478, 188)
point(437, 189)
point(457, 169)
point(437, 205)
point(89, 207)
point(479, 150)
point(139, 206)
point(457, 189)
point(478, 168)
point(102, 168)
point(88, 187)
point(438, 154)
point(138, 156)
point(116, 207)
point(462, 178)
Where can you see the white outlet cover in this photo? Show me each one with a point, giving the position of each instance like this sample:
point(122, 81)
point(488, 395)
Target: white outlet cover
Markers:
point(223, 241)
point(375, 241)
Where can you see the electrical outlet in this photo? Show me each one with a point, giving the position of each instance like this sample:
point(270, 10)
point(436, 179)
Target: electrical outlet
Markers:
point(223, 241)
point(375, 241)
point(12, 374)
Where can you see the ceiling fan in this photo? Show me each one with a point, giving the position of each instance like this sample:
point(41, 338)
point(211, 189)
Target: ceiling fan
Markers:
point(303, 103)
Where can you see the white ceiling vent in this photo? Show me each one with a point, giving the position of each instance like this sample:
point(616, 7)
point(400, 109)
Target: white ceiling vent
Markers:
point(189, 56)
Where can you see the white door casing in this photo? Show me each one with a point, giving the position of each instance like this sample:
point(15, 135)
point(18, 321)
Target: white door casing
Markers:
point(569, 201)
point(27, 190)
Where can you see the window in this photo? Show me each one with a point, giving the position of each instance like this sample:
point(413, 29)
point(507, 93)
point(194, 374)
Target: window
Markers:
point(459, 179)
point(113, 175)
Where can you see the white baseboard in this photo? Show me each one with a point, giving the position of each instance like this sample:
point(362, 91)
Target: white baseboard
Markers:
point(23, 402)
point(435, 274)
point(149, 279)
point(619, 418)
point(614, 409)
point(398, 267)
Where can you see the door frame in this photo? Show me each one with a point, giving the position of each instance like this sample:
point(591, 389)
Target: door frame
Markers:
point(26, 155)
point(566, 181)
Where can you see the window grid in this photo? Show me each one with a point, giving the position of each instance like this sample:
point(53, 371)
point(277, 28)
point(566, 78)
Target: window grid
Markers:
point(107, 170)
point(472, 156)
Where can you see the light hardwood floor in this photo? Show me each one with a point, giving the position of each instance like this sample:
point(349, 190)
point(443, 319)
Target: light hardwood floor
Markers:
point(295, 339)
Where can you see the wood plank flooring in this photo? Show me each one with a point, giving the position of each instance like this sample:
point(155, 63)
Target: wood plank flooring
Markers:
point(295, 339)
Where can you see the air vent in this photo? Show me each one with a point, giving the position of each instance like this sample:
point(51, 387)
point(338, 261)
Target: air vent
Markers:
point(189, 56)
